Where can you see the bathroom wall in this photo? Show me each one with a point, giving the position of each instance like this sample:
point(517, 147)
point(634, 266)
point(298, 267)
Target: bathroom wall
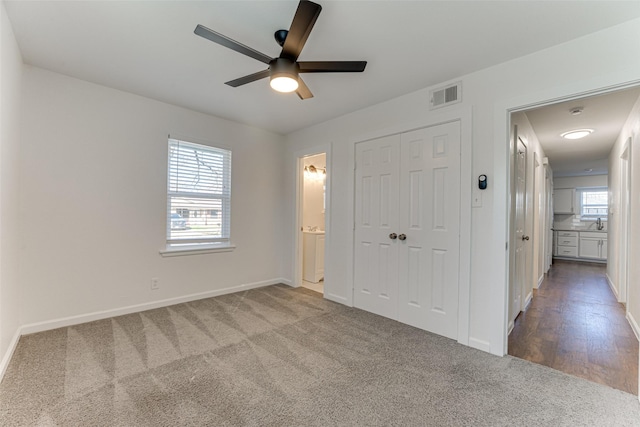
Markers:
point(313, 194)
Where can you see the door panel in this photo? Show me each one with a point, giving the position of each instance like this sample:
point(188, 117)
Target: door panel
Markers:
point(429, 257)
point(517, 284)
point(376, 216)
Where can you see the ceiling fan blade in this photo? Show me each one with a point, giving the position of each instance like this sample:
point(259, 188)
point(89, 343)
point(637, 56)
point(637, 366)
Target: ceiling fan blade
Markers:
point(225, 41)
point(332, 66)
point(301, 27)
point(303, 91)
point(248, 79)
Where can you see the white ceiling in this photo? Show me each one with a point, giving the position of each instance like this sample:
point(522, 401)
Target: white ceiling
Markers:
point(148, 47)
point(606, 114)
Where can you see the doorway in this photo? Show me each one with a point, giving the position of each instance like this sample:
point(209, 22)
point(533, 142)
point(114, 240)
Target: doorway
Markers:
point(312, 206)
point(576, 316)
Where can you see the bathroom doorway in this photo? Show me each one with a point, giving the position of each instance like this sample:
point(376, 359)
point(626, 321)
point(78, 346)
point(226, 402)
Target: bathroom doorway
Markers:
point(313, 206)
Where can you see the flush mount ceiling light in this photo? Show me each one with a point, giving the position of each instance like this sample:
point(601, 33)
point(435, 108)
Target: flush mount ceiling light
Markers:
point(576, 134)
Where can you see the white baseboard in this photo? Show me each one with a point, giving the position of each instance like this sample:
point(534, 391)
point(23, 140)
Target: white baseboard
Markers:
point(286, 282)
point(105, 314)
point(540, 280)
point(613, 288)
point(4, 364)
point(337, 298)
point(480, 344)
point(527, 301)
point(634, 325)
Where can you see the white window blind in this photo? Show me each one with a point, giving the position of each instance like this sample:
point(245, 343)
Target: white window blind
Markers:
point(198, 194)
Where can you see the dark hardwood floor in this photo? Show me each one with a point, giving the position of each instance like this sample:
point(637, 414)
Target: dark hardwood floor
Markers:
point(574, 324)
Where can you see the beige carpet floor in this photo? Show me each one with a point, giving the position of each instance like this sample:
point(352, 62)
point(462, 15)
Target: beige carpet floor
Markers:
point(278, 356)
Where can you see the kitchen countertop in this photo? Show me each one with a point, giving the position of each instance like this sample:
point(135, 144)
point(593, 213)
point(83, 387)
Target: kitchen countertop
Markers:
point(590, 230)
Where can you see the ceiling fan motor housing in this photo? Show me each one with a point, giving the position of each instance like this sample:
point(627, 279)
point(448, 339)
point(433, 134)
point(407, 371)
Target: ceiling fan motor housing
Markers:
point(284, 67)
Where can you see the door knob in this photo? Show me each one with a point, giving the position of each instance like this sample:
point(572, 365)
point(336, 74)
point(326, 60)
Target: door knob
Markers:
point(402, 237)
point(525, 237)
point(393, 236)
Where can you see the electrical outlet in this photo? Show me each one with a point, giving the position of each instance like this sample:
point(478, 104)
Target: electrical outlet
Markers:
point(155, 284)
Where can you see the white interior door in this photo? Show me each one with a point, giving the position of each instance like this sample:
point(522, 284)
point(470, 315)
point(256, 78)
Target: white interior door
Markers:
point(430, 219)
point(376, 218)
point(407, 227)
point(519, 277)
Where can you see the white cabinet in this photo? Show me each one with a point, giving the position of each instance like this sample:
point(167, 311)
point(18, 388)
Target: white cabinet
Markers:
point(313, 256)
point(566, 244)
point(564, 200)
point(593, 245)
point(581, 245)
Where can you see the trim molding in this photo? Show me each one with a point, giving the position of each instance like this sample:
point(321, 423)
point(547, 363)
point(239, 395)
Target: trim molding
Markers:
point(4, 364)
point(104, 314)
point(634, 325)
point(527, 301)
point(540, 280)
point(338, 299)
point(613, 288)
point(481, 345)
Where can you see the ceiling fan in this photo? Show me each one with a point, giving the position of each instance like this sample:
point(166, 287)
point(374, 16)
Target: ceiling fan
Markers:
point(284, 70)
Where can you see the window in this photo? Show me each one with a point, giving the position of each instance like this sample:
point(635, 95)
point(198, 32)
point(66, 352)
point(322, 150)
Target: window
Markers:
point(199, 180)
point(594, 203)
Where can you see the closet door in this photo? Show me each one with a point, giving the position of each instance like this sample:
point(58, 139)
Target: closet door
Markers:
point(429, 199)
point(376, 219)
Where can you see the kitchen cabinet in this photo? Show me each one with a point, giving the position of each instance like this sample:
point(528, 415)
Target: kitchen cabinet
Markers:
point(313, 256)
point(580, 245)
point(593, 245)
point(564, 200)
point(566, 244)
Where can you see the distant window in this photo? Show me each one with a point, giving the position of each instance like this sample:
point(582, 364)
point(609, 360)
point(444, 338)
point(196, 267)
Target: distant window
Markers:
point(199, 180)
point(594, 203)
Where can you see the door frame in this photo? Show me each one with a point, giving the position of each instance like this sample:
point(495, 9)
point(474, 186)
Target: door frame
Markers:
point(502, 205)
point(623, 266)
point(298, 236)
point(464, 115)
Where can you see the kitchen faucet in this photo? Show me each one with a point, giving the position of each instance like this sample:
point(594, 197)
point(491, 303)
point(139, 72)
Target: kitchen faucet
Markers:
point(599, 224)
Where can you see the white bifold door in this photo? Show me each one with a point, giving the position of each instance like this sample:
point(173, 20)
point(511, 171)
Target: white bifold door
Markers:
point(407, 227)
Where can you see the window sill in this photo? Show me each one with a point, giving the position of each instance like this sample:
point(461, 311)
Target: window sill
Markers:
point(171, 251)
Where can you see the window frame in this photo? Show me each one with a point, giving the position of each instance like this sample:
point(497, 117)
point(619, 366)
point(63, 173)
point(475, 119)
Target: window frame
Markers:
point(592, 217)
point(195, 245)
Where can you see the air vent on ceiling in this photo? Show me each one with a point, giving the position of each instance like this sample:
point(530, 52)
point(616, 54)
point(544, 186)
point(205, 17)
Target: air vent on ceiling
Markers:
point(446, 95)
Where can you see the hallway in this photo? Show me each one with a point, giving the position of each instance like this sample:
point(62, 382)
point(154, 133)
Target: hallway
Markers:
point(574, 324)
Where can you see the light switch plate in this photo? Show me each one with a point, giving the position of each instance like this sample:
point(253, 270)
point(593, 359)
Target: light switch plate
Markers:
point(476, 201)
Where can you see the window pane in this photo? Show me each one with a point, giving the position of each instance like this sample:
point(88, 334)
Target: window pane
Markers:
point(193, 218)
point(595, 204)
point(198, 193)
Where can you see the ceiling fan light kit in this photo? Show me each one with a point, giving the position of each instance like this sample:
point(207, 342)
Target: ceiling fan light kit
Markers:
point(284, 75)
point(283, 71)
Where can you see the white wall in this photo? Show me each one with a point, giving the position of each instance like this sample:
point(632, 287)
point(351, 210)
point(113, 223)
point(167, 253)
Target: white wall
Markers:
point(313, 194)
point(93, 203)
point(554, 73)
point(581, 181)
point(10, 86)
point(631, 129)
